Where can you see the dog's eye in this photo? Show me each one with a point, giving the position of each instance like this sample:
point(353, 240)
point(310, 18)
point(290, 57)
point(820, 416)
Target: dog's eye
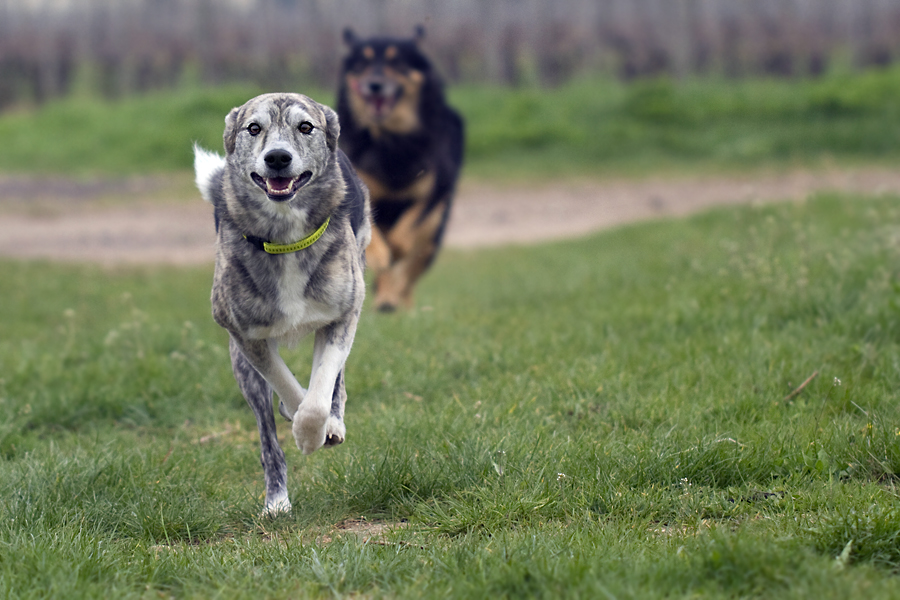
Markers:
point(254, 128)
point(305, 127)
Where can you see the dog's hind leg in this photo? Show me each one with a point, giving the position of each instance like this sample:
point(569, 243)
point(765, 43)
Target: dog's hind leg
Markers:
point(258, 394)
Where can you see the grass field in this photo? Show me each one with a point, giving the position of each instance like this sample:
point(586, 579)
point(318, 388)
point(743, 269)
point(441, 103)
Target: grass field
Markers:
point(607, 418)
point(584, 128)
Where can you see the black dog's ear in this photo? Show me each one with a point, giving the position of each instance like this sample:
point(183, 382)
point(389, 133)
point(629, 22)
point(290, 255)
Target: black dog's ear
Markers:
point(350, 37)
point(332, 128)
point(419, 33)
point(230, 135)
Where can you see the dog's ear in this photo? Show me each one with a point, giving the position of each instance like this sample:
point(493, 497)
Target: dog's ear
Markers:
point(230, 134)
point(419, 33)
point(350, 37)
point(332, 128)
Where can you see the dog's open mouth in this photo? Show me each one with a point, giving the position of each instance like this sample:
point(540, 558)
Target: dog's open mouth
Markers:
point(381, 104)
point(281, 188)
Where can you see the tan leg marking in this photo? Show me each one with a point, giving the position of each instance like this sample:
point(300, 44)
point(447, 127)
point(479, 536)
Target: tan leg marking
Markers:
point(378, 253)
point(412, 245)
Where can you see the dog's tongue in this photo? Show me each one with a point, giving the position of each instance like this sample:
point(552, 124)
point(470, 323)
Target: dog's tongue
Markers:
point(379, 103)
point(279, 184)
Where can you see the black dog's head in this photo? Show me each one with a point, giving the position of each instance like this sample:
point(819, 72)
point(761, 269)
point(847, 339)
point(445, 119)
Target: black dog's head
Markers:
point(384, 82)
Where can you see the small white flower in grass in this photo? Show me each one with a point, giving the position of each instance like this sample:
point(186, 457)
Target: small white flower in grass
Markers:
point(837, 381)
point(560, 476)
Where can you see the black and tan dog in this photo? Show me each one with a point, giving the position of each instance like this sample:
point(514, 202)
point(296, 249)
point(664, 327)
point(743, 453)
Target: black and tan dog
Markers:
point(292, 226)
point(407, 146)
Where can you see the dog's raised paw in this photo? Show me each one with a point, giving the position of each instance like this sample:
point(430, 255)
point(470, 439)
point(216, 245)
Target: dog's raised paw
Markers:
point(332, 440)
point(309, 429)
point(335, 431)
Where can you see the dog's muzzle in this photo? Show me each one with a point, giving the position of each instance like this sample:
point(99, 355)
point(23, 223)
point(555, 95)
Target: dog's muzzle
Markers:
point(280, 188)
point(380, 95)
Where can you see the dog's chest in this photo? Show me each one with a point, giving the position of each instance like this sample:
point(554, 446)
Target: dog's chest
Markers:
point(299, 312)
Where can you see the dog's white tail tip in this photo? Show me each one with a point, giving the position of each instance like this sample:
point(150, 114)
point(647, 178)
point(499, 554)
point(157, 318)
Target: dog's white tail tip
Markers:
point(206, 164)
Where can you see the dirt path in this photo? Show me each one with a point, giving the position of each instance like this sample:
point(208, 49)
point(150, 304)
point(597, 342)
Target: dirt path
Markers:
point(67, 225)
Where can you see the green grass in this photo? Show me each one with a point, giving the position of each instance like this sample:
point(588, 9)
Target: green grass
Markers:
point(583, 128)
point(598, 418)
point(603, 127)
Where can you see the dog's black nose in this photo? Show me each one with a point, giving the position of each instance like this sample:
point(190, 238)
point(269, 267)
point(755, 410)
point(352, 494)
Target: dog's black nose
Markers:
point(375, 87)
point(278, 159)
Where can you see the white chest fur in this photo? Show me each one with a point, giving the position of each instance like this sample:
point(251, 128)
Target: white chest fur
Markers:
point(300, 315)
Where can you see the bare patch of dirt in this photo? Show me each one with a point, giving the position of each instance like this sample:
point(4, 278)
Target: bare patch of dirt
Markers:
point(150, 221)
point(368, 532)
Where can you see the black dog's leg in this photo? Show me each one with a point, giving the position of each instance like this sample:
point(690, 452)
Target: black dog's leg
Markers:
point(258, 394)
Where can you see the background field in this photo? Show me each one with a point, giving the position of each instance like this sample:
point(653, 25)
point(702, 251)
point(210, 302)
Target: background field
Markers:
point(705, 407)
point(604, 418)
point(587, 127)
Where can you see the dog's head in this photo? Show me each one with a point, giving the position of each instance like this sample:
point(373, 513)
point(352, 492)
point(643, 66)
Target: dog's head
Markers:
point(281, 142)
point(383, 81)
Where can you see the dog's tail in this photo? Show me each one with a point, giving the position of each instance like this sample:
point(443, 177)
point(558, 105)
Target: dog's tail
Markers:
point(207, 167)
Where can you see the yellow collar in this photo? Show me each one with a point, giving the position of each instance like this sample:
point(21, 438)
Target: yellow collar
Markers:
point(273, 248)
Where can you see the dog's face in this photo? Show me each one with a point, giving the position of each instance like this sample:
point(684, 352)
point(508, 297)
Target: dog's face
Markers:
point(383, 80)
point(280, 143)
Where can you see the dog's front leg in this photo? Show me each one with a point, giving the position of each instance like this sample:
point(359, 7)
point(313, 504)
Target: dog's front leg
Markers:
point(258, 394)
point(319, 419)
point(264, 356)
point(334, 428)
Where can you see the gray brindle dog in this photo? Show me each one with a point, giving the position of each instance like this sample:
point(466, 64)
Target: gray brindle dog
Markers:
point(292, 225)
